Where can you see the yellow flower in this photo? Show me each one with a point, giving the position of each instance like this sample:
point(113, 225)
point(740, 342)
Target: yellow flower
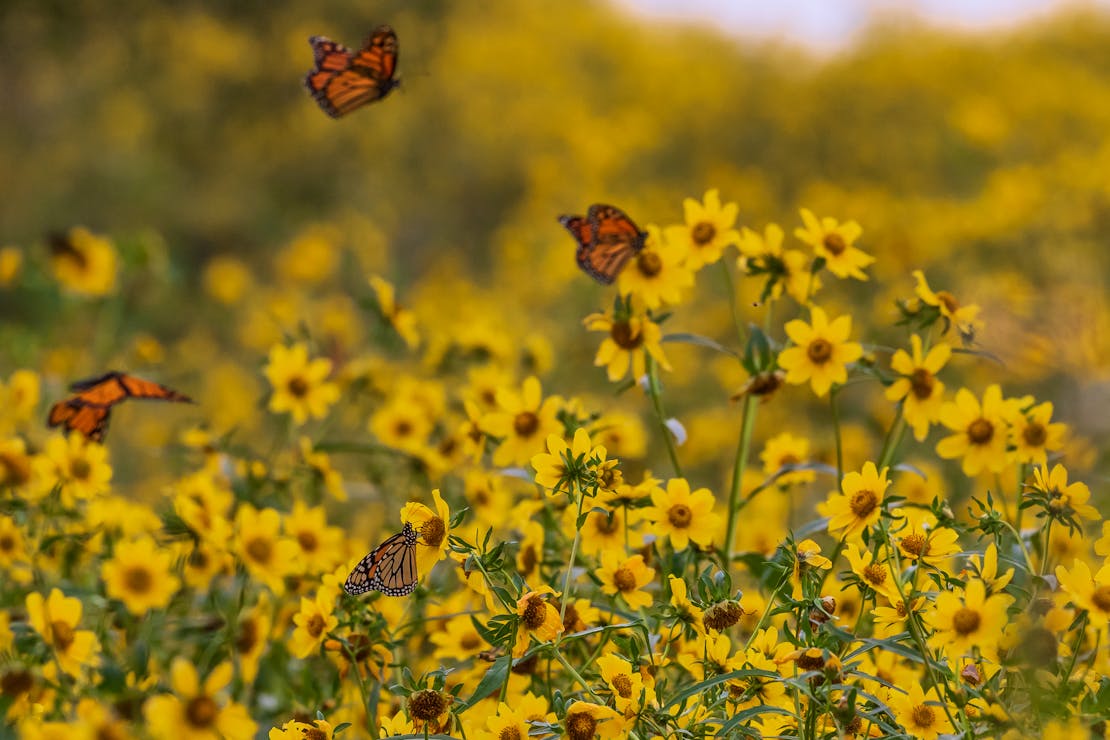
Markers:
point(195, 713)
point(79, 465)
point(786, 449)
point(980, 431)
point(311, 257)
point(921, 544)
point(605, 530)
point(252, 637)
point(431, 526)
point(55, 618)
point(11, 261)
point(631, 339)
point(965, 318)
point(294, 730)
point(1033, 435)
point(709, 228)
point(688, 614)
point(20, 398)
point(859, 503)
point(821, 351)
point(682, 515)
point(808, 559)
point(530, 554)
point(268, 556)
point(834, 241)
point(631, 692)
point(657, 275)
point(314, 621)
point(969, 620)
point(523, 421)
point(919, 713)
point(227, 279)
point(507, 724)
point(300, 385)
point(625, 576)
point(12, 551)
point(139, 574)
point(402, 320)
point(1087, 592)
point(83, 263)
point(551, 466)
point(320, 464)
point(459, 640)
point(402, 425)
point(872, 571)
point(15, 464)
point(538, 618)
point(918, 389)
point(586, 721)
point(787, 269)
point(321, 546)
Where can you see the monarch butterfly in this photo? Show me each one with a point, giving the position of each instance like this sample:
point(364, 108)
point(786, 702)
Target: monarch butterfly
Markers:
point(88, 410)
point(389, 568)
point(343, 80)
point(607, 239)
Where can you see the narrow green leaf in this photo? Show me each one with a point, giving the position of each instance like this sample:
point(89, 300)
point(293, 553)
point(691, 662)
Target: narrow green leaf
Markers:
point(494, 677)
point(699, 340)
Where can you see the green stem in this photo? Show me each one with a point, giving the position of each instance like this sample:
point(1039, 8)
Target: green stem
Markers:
point(1021, 544)
point(893, 439)
point(1023, 473)
point(564, 597)
point(767, 609)
point(836, 435)
point(563, 661)
point(660, 415)
point(735, 503)
point(732, 302)
point(1047, 543)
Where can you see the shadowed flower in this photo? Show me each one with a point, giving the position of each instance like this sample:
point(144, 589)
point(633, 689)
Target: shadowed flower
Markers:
point(657, 274)
point(83, 263)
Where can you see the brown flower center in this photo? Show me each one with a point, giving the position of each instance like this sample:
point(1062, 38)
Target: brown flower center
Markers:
point(965, 621)
point(811, 660)
point(581, 726)
point(606, 523)
point(260, 549)
point(80, 469)
point(680, 516)
point(14, 469)
point(703, 233)
point(649, 264)
point(201, 712)
point(247, 637)
point(1101, 598)
point(426, 705)
point(980, 431)
point(62, 635)
point(509, 733)
point(314, 733)
point(722, 615)
point(315, 625)
point(433, 531)
point(622, 682)
point(819, 351)
point(923, 716)
point(16, 683)
point(138, 580)
point(875, 575)
point(402, 428)
point(624, 579)
point(7, 543)
point(863, 503)
point(922, 382)
point(470, 642)
point(308, 541)
point(525, 424)
point(916, 545)
point(625, 336)
point(297, 386)
point(834, 244)
point(1034, 434)
point(197, 559)
point(535, 614)
point(948, 300)
point(528, 560)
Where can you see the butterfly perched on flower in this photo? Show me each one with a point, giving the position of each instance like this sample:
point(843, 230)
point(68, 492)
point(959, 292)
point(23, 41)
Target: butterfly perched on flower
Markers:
point(390, 567)
point(88, 410)
point(607, 239)
point(343, 80)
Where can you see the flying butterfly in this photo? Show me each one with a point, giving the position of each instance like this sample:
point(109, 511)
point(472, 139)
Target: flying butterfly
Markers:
point(389, 568)
point(343, 80)
point(607, 238)
point(88, 410)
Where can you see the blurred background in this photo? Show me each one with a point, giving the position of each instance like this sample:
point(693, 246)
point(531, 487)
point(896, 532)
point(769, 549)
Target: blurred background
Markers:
point(969, 140)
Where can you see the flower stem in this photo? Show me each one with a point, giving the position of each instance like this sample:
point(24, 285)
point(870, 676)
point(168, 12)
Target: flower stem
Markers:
point(732, 302)
point(660, 415)
point(893, 439)
point(735, 503)
point(564, 597)
point(559, 657)
point(836, 435)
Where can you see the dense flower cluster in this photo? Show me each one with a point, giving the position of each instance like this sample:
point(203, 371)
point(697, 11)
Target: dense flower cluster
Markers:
point(816, 506)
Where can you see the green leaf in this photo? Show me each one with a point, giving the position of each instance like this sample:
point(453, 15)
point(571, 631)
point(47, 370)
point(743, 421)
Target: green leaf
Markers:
point(709, 683)
point(490, 682)
point(740, 717)
point(687, 338)
point(339, 728)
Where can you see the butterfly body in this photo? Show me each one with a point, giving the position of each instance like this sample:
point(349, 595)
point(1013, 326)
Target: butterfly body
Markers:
point(607, 239)
point(390, 567)
point(89, 409)
point(344, 80)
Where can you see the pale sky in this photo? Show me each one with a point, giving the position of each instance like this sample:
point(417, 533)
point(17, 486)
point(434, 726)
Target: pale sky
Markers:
point(828, 25)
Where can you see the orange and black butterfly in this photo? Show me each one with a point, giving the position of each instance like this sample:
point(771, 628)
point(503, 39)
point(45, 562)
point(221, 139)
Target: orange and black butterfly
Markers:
point(390, 568)
point(88, 410)
point(607, 239)
point(344, 80)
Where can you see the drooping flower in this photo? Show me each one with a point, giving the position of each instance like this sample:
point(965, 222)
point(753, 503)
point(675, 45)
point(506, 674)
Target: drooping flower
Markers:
point(965, 318)
point(402, 320)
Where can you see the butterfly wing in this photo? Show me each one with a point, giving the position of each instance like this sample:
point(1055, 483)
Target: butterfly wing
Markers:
point(88, 410)
point(139, 388)
point(91, 421)
point(607, 239)
point(390, 567)
point(342, 80)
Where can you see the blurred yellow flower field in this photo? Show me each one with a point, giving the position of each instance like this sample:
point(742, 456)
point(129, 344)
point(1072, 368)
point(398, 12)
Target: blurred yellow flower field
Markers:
point(819, 452)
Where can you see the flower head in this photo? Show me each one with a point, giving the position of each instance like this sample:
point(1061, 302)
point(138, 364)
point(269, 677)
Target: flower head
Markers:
point(300, 385)
point(979, 430)
point(834, 242)
point(625, 576)
point(917, 388)
point(821, 351)
point(538, 618)
point(195, 711)
point(657, 274)
point(523, 420)
point(84, 263)
point(139, 575)
point(631, 339)
point(431, 527)
point(55, 618)
point(683, 516)
point(859, 503)
point(709, 228)
point(920, 713)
